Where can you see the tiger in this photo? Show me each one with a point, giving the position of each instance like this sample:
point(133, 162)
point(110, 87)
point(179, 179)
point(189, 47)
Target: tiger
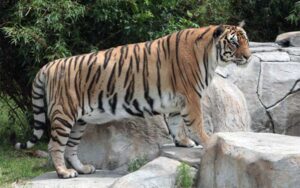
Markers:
point(163, 76)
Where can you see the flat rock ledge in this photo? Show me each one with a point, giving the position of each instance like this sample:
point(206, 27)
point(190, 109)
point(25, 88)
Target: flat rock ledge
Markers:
point(249, 160)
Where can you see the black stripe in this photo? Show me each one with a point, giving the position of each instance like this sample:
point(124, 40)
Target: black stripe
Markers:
point(90, 66)
point(168, 45)
point(100, 104)
point(205, 62)
point(128, 72)
point(164, 49)
point(137, 107)
point(107, 56)
point(39, 125)
point(111, 82)
point(129, 111)
point(113, 103)
point(63, 122)
point(200, 37)
point(137, 56)
point(158, 66)
point(121, 60)
point(130, 91)
point(33, 139)
point(186, 34)
point(148, 46)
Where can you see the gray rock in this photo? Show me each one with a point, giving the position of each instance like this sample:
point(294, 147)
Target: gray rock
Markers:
point(246, 79)
point(264, 49)
point(190, 156)
point(263, 44)
point(295, 58)
point(114, 145)
point(101, 179)
point(276, 80)
point(225, 108)
point(291, 50)
point(286, 114)
point(289, 39)
point(251, 160)
point(273, 56)
point(160, 172)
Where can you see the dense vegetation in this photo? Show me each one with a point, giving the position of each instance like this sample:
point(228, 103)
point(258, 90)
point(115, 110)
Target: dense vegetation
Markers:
point(34, 32)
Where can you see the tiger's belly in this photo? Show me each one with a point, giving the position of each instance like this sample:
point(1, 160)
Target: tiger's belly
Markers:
point(140, 108)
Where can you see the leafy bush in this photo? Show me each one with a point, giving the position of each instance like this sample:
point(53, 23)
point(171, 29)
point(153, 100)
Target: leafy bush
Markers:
point(137, 163)
point(184, 178)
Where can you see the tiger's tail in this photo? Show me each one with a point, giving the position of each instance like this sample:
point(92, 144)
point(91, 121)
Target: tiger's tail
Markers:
point(39, 111)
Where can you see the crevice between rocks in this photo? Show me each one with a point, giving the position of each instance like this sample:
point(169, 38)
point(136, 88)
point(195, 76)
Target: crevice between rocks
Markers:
point(261, 102)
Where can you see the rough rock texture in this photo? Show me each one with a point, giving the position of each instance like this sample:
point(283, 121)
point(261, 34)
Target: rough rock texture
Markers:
point(114, 145)
point(270, 84)
point(250, 160)
point(101, 179)
point(190, 156)
point(224, 106)
point(289, 39)
point(160, 172)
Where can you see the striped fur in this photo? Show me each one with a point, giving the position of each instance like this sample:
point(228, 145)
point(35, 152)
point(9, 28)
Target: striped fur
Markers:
point(163, 76)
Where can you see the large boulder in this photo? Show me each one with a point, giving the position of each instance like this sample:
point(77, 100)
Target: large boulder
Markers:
point(289, 39)
point(249, 160)
point(270, 84)
point(114, 145)
point(160, 172)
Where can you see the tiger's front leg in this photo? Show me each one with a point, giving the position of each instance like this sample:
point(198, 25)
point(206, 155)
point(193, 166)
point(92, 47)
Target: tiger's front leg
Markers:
point(192, 116)
point(72, 147)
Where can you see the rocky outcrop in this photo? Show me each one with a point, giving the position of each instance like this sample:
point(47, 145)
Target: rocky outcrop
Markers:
point(270, 84)
point(160, 172)
point(289, 39)
point(101, 179)
point(114, 145)
point(251, 160)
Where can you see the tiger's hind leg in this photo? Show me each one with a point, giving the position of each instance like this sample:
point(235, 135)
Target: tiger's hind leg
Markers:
point(60, 130)
point(72, 146)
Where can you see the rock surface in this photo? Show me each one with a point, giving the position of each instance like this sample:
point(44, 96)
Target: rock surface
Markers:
point(190, 156)
point(270, 84)
point(248, 160)
point(101, 179)
point(289, 39)
point(114, 145)
point(160, 172)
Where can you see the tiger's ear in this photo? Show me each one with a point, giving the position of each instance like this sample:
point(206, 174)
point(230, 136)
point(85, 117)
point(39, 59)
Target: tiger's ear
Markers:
point(218, 31)
point(242, 23)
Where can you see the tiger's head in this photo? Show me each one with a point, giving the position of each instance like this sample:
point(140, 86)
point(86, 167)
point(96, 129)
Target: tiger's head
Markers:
point(232, 45)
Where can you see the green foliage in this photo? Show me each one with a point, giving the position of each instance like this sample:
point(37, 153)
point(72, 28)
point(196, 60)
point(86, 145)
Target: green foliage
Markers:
point(184, 178)
point(294, 16)
point(18, 166)
point(137, 163)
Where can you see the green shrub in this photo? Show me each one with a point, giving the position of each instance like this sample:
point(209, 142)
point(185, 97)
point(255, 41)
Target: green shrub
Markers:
point(137, 163)
point(184, 178)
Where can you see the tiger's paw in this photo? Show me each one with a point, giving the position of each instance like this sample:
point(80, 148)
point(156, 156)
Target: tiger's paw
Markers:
point(67, 173)
point(87, 169)
point(185, 142)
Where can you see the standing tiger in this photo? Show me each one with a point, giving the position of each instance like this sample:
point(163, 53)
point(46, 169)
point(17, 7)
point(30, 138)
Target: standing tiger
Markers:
point(162, 76)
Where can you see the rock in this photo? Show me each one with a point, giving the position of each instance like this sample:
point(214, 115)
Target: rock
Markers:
point(263, 44)
point(295, 58)
point(101, 179)
point(114, 145)
point(286, 114)
point(246, 79)
point(289, 39)
point(225, 107)
point(160, 172)
point(273, 56)
point(264, 49)
point(276, 81)
point(291, 50)
point(190, 156)
point(245, 159)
